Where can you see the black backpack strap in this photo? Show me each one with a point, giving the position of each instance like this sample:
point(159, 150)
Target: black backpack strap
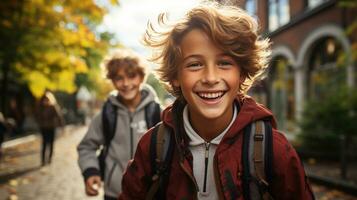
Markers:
point(257, 160)
point(268, 151)
point(152, 114)
point(161, 153)
point(109, 120)
point(245, 161)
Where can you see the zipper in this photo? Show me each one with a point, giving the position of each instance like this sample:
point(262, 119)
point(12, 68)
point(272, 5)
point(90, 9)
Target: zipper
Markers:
point(207, 144)
point(131, 138)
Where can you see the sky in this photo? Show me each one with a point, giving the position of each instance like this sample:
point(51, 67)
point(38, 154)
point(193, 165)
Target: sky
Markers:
point(128, 21)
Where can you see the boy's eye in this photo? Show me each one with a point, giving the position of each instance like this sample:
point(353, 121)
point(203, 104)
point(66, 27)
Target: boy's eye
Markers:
point(194, 65)
point(225, 63)
point(131, 75)
point(118, 78)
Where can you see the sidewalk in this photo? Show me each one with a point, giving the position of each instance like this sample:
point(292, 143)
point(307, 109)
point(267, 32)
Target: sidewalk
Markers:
point(328, 174)
point(22, 177)
point(22, 155)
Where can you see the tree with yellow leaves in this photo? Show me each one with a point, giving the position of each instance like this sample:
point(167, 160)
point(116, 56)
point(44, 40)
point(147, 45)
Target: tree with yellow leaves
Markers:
point(46, 44)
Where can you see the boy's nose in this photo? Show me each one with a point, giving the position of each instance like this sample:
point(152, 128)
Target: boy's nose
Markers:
point(210, 75)
point(125, 81)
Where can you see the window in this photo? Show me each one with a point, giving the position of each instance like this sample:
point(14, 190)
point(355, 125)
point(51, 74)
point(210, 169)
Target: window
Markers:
point(282, 98)
point(314, 3)
point(251, 7)
point(279, 13)
point(323, 73)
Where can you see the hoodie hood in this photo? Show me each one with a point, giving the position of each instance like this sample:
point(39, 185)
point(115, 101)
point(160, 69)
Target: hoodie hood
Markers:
point(249, 111)
point(148, 95)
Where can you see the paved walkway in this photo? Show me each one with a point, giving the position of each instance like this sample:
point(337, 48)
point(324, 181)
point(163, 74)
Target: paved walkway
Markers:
point(22, 177)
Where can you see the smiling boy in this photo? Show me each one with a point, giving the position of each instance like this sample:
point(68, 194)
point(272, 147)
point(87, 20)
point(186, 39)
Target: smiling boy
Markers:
point(130, 111)
point(209, 60)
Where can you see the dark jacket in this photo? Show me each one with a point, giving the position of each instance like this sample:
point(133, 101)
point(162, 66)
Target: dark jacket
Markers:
point(49, 117)
point(288, 182)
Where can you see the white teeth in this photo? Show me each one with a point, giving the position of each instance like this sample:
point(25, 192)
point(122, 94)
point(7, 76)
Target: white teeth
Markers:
point(211, 95)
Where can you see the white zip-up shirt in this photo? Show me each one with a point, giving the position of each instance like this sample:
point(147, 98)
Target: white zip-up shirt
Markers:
point(203, 153)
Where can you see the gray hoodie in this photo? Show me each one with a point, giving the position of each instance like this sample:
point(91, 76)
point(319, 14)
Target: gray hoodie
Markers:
point(130, 127)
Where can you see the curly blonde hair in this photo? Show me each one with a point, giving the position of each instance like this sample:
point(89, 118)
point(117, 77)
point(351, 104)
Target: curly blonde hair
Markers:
point(126, 59)
point(229, 27)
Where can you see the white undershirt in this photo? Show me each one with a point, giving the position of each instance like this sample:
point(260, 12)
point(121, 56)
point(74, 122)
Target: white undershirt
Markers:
point(197, 146)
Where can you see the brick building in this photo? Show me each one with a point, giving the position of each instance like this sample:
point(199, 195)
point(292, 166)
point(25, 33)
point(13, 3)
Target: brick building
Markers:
point(311, 52)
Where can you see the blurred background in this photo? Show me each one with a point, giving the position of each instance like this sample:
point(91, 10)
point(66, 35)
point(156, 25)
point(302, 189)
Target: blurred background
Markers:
point(58, 45)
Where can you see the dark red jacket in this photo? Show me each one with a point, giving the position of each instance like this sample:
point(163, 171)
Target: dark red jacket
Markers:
point(288, 181)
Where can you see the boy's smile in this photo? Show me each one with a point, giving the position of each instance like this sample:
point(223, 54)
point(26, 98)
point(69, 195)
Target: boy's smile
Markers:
point(209, 80)
point(211, 97)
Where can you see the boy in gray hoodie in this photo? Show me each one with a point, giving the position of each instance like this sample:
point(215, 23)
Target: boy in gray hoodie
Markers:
point(131, 119)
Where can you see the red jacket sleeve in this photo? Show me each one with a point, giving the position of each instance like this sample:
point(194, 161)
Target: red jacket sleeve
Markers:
point(289, 179)
point(137, 175)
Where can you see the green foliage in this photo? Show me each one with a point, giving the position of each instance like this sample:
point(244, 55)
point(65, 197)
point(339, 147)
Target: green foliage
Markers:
point(348, 3)
point(325, 121)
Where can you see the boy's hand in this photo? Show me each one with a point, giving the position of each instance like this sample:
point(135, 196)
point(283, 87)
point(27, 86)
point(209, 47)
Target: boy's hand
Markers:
point(93, 184)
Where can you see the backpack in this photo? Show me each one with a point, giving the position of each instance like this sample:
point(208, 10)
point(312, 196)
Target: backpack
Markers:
point(257, 156)
point(109, 119)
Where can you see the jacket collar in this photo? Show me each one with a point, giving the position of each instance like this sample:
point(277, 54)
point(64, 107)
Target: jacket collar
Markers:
point(248, 111)
point(195, 138)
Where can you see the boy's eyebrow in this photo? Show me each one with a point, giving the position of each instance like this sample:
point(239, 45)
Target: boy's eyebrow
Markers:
point(200, 56)
point(192, 56)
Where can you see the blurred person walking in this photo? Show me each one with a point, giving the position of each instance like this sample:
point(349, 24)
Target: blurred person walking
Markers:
point(125, 117)
point(48, 118)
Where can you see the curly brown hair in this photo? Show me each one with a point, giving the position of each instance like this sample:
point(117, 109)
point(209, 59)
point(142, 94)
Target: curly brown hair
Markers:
point(229, 27)
point(123, 58)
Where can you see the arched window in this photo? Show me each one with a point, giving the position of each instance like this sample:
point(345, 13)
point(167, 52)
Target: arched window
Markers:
point(282, 98)
point(324, 75)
